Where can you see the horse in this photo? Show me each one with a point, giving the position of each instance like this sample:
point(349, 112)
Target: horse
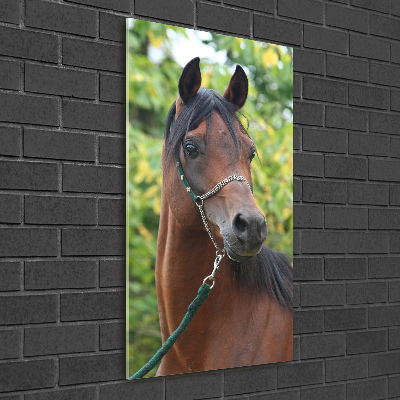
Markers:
point(248, 318)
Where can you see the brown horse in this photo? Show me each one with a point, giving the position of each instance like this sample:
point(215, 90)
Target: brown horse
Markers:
point(247, 319)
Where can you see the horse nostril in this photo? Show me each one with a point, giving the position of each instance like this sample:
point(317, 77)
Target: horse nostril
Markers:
point(249, 227)
point(240, 226)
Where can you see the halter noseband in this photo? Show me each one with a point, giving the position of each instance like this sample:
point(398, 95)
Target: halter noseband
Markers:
point(200, 204)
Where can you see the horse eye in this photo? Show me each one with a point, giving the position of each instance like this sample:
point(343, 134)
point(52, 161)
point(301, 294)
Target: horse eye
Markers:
point(190, 149)
point(253, 154)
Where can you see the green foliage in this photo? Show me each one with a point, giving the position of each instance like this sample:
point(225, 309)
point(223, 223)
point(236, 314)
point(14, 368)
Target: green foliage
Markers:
point(153, 86)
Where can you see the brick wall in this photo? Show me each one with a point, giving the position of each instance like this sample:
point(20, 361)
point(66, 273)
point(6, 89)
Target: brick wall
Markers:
point(62, 137)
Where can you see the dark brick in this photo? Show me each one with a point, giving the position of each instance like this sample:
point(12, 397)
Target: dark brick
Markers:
point(112, 150)
point(384, 170)
point(384, 315)
point(384, 267)
point(384, 123)
point(308, 321)
point(394, 338)
point(384, 26)
point(340, 369)
point(299, 374)
point(324, 90)
point(278, 30)
point(385, 74)
point(326, 39)
point(308, 61)
point(395, 147)
point(100, 117)
point(384, 364)
point(395, 8)
point(308, 113)
point(111, 212)
point(324, 191)
point(345, 268)
point(367, 242)
point(297, 79)
point(60, 340)
point(60, 18)
point(143, 389)
point(26, 242)
point(60, 81)
point(370, 389)
point(286, 395)
point(395, 195)
point(170, 10)
point(92, 306)
point(9, 11)
point(366, 342)
point(9, 73)
point(345, 167)
point(308, 269)
point(367, 292)
point(112, 273)
point(26, 44)
point(112, 88)
point(10, 209)
point(308, 164)
point(394, 386)
point(257, 5)
point(117, 5)
point(59, 145)
point(346, 18)
point(394, 293)
point(112, 27)
point(296, 242)
point(22, 108)
point(331, 141)
point(377, 5)
point(112, 336)
point(369, 96)
point(369, 145)
point(308, 216)
point(337, 392)
point(368, 193)
point(91, 242)
point(337, 319)
point(384, 219)
point(308, 10)
point(296, 295)
point(395, 242)
point(60, 274)
point(296, 138)
point(238, 381)
point(317, 242)
point(346, 68)
point(297, 189)
point(395, 100)
point(88, 54)
point(347, 118)
point(87, 369)
point(90, 178)
point(27, 375)
point(346, 218)
point(10, 141)
point(10, 273)
point(46, 210)
point(221, 18)
point(85, 393)
point(10, 343)
point(394, 52)
point(323, 294)
point(26, 309)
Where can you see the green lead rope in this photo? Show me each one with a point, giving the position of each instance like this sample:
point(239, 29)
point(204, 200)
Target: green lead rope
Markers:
point(203, 293)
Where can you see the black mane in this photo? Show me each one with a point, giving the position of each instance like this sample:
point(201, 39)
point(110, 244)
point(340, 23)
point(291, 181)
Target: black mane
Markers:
point(269, 271)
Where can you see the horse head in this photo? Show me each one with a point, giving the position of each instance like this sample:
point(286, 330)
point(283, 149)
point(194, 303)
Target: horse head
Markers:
point(205, 135)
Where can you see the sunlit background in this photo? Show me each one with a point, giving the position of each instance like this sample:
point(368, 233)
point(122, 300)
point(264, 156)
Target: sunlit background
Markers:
point(156, 55)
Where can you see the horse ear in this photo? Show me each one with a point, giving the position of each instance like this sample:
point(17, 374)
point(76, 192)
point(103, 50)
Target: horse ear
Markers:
point(236, 92)
point(190, 80)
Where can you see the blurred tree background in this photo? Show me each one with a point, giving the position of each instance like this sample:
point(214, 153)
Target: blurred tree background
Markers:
point(156, 57)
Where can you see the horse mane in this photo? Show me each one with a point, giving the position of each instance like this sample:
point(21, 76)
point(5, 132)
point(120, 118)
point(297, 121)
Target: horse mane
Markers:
point(269, 271)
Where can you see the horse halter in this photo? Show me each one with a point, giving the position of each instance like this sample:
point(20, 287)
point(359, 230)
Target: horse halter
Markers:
point(199, 201)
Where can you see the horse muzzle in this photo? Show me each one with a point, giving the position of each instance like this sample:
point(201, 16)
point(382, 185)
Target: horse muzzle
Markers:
point(248, 232)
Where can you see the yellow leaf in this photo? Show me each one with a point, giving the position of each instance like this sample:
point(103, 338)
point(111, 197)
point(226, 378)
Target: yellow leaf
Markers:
point(143, 231)
point(270, 58)
point(154, 41)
